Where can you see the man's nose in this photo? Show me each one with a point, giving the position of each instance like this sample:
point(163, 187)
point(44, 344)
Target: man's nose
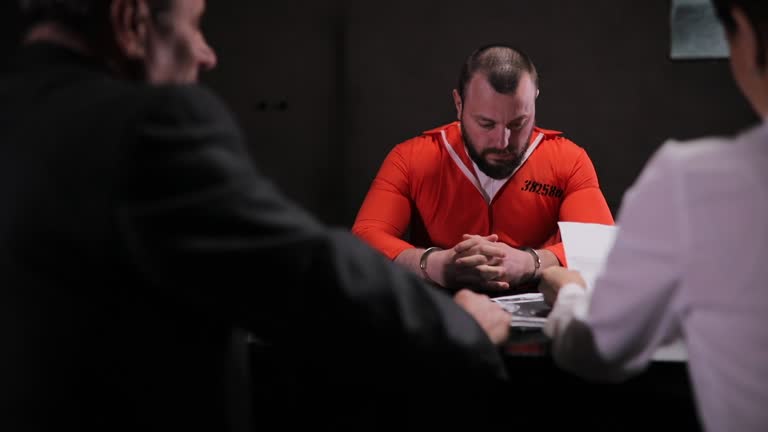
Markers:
point(501, 141)
point(207, 57)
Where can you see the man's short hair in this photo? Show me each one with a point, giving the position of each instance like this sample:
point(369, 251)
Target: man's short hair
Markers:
point(757, 13)
point(502, 64)
point(90, 17)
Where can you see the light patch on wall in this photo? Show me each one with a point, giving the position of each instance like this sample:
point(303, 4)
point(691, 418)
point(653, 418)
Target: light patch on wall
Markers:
point(696, 32)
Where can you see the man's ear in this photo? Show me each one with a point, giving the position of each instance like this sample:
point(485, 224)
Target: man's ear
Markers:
point(130, 20)
point(457, 103)
point(747, 34)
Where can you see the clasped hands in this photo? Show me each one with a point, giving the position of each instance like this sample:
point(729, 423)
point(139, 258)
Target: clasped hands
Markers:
point(484, 262)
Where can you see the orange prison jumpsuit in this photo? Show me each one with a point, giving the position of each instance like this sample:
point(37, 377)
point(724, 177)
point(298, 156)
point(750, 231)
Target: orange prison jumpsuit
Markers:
point(421, 185)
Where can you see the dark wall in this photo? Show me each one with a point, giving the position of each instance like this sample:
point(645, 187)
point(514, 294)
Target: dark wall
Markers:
point(606, 78)
point(280, 70)
point(324, 90)
point(10, 28)
point(361, 78)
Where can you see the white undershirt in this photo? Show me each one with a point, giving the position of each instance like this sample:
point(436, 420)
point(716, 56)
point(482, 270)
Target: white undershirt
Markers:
point(490, 186)
point(487, 186)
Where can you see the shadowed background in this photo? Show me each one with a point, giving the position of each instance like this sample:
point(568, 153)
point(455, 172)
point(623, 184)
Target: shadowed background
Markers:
point(325, 89)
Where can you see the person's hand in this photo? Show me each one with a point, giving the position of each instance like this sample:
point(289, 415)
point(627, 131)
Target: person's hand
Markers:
point(491, 264)
point(477, 261)
point(554, 278)
point(491, 316)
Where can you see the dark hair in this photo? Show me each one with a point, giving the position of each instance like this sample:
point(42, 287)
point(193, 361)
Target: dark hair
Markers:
point(88, 17)
point(757, 13)
point(503, 64)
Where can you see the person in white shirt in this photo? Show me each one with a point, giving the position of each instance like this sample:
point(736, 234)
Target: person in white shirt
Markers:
point(690, 260)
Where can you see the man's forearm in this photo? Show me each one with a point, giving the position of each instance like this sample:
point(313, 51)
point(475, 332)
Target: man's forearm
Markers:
point(410, 258)
point(436, 263)
point(548, 259)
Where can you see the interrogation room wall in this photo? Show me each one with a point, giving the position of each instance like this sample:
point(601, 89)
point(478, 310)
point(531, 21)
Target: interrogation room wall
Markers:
point(606, 78)
point(279, 69)
point(324, 89)
point(9, 28)
point(363, 77)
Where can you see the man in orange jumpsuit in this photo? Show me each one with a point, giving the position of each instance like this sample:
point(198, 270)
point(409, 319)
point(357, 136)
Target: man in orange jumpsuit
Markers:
point(483, 195)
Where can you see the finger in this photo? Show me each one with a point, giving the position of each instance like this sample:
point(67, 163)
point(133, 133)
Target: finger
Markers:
point(495, 261)
point(471, 260)
point(495, 285)
point(475, 247)
point(463, 294)
point(490, 272)
point(493, 238)
point(464, 254)
point(473, 236)
point(466, 244)
point(491, 251)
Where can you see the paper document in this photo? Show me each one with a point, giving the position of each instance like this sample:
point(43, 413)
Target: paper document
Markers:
point(586, 247)
point(528, 310)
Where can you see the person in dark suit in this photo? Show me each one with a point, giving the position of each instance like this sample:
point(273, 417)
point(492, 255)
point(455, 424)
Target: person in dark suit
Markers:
point(136, 240)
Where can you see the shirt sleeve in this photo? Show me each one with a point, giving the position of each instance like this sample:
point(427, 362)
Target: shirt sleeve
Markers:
point(386, 211)
point(583, 200)
point(613, 331)
point(206, 232)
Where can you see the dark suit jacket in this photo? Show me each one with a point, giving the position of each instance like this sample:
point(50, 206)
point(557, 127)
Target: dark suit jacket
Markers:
point(136, 237)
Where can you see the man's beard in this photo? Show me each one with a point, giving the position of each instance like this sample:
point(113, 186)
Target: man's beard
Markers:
point(497, 171)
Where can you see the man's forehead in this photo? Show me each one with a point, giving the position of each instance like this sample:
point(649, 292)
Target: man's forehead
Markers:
point(480, 86)
point(483, 79)
point(186, 7)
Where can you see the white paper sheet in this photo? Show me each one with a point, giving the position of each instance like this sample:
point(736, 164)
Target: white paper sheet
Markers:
point(586, 247)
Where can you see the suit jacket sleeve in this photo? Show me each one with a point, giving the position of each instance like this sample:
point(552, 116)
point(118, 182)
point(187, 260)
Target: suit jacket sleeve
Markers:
point(210, 234)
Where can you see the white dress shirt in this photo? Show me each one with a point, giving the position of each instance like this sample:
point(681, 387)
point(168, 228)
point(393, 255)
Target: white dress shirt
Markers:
point(690, 260)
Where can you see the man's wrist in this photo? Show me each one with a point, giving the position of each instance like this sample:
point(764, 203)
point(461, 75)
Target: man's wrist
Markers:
point(536, 264)
point(423, 262)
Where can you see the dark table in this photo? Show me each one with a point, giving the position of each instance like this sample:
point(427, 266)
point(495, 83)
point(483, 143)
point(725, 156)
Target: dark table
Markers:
point(538, 396)
point(659, 398)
